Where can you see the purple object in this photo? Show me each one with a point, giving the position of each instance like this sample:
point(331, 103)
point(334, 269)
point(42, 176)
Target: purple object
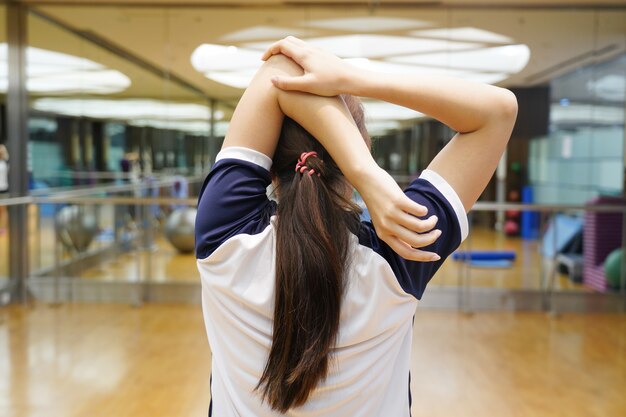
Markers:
point(602, 234)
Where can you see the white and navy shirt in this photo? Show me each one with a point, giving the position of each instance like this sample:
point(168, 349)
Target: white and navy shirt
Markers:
point(236, 252)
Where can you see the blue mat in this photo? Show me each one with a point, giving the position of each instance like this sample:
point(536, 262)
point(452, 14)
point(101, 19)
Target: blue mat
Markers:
point(500, 263)
point(476, 255)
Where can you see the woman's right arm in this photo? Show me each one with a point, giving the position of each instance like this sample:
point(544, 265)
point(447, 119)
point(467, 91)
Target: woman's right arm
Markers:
point(483, 115)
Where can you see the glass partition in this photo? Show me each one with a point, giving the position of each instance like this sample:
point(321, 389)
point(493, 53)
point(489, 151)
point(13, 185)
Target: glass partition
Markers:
point(132, 103)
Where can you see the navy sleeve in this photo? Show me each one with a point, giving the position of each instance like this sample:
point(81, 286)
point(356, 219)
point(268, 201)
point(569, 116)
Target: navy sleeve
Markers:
point(233, 199)
point(432, 191)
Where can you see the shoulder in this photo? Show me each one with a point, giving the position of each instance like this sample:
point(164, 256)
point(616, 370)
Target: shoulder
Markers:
point(432, 191)
point(233, 198)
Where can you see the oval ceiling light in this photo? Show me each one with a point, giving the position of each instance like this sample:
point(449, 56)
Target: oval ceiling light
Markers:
point(367, 24)
point(192, 127)
point(125, 109)
point(376, 46)
point(212, 57)
point(392, 68)
point(464, 34)
point(610, 87)
point(380, 110)
point(262, 32)
point(60, 73)
point(508, 58)
point(237, 79)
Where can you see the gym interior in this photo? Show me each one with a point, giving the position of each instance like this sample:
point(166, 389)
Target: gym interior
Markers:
point(112, 113)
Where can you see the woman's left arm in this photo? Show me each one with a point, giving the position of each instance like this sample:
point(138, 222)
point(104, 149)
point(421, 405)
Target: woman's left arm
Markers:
point(257, 119)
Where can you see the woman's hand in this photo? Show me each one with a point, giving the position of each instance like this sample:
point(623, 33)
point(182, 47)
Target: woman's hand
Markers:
point(324, 73)
point(396, 217)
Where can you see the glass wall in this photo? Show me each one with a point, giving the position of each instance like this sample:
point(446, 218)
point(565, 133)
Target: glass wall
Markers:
point(128, 103)
point(582, 157)
point(107, 123)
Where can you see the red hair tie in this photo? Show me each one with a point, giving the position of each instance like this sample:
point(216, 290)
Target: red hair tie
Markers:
point(301, 165)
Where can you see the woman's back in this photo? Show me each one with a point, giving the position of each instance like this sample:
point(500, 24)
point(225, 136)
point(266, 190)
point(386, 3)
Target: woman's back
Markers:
point(368, 373)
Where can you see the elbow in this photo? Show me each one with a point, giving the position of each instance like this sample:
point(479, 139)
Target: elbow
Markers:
point(507, 105)
point(280, 64)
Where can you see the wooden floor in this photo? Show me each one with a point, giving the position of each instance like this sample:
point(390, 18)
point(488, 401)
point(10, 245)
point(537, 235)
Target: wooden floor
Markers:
point(115, 360)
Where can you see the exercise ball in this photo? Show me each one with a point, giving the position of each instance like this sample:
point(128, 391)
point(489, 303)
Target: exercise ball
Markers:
point(180, 229)
point(77, 226)
point(511, 228)
point(613, 268)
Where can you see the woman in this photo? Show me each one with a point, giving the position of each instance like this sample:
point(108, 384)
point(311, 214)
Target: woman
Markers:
point(309, 311)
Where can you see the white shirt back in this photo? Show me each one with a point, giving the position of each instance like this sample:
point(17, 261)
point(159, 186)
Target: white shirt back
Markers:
point(236, 252)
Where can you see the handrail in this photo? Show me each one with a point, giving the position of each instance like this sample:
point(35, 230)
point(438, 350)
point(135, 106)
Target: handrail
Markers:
point(111, 188)
point(83, 197)
point(495, 206)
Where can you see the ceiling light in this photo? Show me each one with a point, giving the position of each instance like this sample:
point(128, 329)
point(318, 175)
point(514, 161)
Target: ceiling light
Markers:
point(367, 24)
point(379, 128)
point(211, 57)
point(261, 32)
point(582, 114)
point(376, 46)
point(127, 109)
point(193, 127)
point(463, 34)
point(391, 68)
point(59, 73)
point(609, 87)
point(237, 79)
point(380, 110)
point(509, 58)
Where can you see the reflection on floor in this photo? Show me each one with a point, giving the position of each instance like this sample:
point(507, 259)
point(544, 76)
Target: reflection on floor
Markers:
point(162, 263)
point(40, 237)
point(115, 360)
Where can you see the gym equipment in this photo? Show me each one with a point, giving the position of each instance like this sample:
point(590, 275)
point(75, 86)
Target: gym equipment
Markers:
point(77, 226)
point(511, 228)
point(180, 229)
point(530, 219)
point(572, 265)
point(562, 231)
point(613, 268)
point(484, 256)
point(602, 235)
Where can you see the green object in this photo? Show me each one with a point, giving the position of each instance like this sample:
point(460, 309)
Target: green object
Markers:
point(613, 268)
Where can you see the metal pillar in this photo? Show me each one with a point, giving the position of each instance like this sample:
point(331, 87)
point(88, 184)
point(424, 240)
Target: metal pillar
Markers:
point(17, 143)
point(212, 139)
point(501, 190)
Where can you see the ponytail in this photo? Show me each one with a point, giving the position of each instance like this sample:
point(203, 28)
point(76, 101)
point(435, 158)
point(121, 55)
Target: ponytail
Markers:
point(314, 221)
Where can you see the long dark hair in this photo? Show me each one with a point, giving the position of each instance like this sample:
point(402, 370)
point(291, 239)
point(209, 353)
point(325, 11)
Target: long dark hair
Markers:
point(315, 218)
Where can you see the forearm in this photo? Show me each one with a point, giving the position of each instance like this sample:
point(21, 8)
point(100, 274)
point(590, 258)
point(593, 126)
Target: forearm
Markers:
point(464, 106)
point(257, 119)
point(330, 122)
